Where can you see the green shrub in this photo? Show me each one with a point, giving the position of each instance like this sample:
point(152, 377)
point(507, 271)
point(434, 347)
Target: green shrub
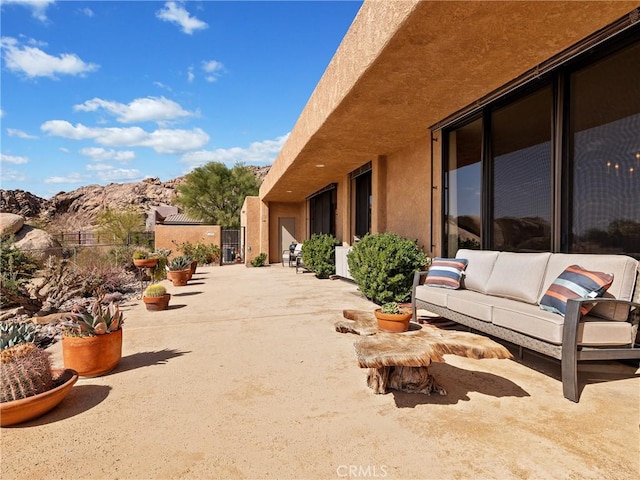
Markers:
point(383, 264)
point(318, 254)
point(260, 260)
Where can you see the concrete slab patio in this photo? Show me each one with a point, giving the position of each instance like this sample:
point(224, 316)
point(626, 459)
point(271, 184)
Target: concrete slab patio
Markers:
point(245, 378)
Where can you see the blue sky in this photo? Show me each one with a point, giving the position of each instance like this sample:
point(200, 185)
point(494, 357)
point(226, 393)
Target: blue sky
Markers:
point(95, 92)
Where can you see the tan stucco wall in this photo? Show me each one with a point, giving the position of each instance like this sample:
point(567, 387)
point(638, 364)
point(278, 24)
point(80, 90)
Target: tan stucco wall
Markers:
point(408, 184)
point(166, 235)
point(250, 218)
point(278, 210)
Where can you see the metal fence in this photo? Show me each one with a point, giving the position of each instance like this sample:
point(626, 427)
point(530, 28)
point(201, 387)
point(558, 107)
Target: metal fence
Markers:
point(93, 238)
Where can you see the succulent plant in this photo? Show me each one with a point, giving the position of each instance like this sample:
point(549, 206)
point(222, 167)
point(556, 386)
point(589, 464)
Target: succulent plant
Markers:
point(12, 334)
point(25, 370)
point(140, 254)
point(101, 319)
point(155, 290)
point(391, 308)
point(180, 263)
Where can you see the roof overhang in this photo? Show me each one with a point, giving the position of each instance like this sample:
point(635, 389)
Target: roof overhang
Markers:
point(404, 66)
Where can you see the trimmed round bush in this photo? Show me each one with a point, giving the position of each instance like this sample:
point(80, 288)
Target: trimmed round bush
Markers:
point(383, 264)
point(319, 254)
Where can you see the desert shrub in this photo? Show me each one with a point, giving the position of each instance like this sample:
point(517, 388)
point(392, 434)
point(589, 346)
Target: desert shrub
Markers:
point(16, 267)
point(318, 254)
point(121, 256)
point(260, 260)
point(202, 253)
point(383, 264)
point(104, 279)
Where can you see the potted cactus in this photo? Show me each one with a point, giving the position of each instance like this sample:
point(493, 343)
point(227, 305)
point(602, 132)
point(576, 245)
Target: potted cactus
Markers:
point(392, 318)
point(179, 270)
point(92, 340)
point(156, 297)
point(29, 387)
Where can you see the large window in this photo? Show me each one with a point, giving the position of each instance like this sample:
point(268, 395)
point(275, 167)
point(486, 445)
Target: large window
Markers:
point(361, 185)
point(552, 168)
point(463, 187)
point(521, 173)
point(322, 211)
point(604, 151)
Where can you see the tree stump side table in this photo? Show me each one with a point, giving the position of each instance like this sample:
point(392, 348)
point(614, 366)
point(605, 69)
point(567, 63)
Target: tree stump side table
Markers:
point(401, 361)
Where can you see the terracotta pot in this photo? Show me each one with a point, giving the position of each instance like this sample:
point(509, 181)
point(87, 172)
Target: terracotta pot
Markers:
point(155, 304)
point(393, 322)
point(194, 265)
point(18, 411)
point(92, 356)
point(145, 262)
point(179, 278)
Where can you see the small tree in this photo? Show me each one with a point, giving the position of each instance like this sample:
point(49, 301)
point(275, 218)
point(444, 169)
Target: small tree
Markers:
point(319, 253)
point(214, 193)
point(119, 224)
point(383, 264)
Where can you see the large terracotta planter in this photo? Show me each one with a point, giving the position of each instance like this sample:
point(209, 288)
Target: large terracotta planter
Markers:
point(393, 322)
point(155, 304)
point(179, 278)
point(145, 262)
point(18, 411)
point(92, 356)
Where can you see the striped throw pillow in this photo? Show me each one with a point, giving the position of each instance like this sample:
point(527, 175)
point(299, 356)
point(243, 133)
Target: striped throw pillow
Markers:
point(446, 272)
point(575, 282)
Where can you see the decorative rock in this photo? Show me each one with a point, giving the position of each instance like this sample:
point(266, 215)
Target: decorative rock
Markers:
point(38, 242)
point(10, 223)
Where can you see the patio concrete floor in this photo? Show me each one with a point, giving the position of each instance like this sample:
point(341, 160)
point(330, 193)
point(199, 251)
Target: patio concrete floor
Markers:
point(245, 377)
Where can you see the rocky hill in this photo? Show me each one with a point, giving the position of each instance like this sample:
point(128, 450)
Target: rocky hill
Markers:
point(77, 210)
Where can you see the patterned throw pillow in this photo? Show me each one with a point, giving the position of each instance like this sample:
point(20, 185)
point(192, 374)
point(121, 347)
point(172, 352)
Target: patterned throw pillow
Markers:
point(446, 272)
point(575, 282)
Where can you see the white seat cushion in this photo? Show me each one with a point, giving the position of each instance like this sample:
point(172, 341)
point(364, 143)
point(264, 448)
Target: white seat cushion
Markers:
point(518, 276)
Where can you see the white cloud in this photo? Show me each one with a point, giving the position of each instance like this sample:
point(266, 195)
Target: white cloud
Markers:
point(149, 109)
point(213, 68)
point(13, 132)
point(33, 62)
point(12, 176)
point(87, 11)
point(190, 75)
point(71, 178)
point(163, 86)
point(98, 154)
point(38, 7)
point(166, 141)
point(176, 13)
point(13, 159)
point(64, 150)
point(258, 153)
point(118, 174)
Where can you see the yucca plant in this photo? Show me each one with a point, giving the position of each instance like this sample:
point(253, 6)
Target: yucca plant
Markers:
point(99, 320)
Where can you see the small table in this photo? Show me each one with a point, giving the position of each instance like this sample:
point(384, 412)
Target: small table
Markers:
point(400, 361)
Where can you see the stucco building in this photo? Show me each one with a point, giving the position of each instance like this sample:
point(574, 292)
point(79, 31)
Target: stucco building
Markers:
point(497, 125)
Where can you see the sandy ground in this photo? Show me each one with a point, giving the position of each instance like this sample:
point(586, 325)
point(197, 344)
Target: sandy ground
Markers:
point(245, 377)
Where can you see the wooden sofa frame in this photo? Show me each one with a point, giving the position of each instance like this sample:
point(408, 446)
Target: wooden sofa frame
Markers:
point(569, 353)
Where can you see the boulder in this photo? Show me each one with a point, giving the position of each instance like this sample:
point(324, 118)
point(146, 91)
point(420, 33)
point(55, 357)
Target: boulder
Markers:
point(10, 223)
point(38, 242)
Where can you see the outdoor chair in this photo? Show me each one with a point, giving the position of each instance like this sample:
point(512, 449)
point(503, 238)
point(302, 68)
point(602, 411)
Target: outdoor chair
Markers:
point(290, 256)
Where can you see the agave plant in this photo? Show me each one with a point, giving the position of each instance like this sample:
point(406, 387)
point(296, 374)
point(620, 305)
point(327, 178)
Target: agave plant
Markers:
point(180, 263)
point(99, 320)
point(12, 334)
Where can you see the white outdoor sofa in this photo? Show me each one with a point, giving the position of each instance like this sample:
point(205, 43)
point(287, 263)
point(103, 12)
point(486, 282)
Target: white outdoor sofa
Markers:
point(500, 295)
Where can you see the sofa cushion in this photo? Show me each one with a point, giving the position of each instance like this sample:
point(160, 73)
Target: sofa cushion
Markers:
point(547, 326)
point(446, 272)
point(473, 304)
point(623, 268)
point(437, 296)
point(518, 276)
point(479, 268)
point(575, 282)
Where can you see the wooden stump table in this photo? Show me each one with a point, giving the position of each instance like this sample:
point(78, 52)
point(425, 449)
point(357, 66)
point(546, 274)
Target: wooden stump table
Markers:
point(401, 361)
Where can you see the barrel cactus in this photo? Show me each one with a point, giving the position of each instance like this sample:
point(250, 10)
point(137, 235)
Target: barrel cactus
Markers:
point(25, 370)
point(155, 290)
